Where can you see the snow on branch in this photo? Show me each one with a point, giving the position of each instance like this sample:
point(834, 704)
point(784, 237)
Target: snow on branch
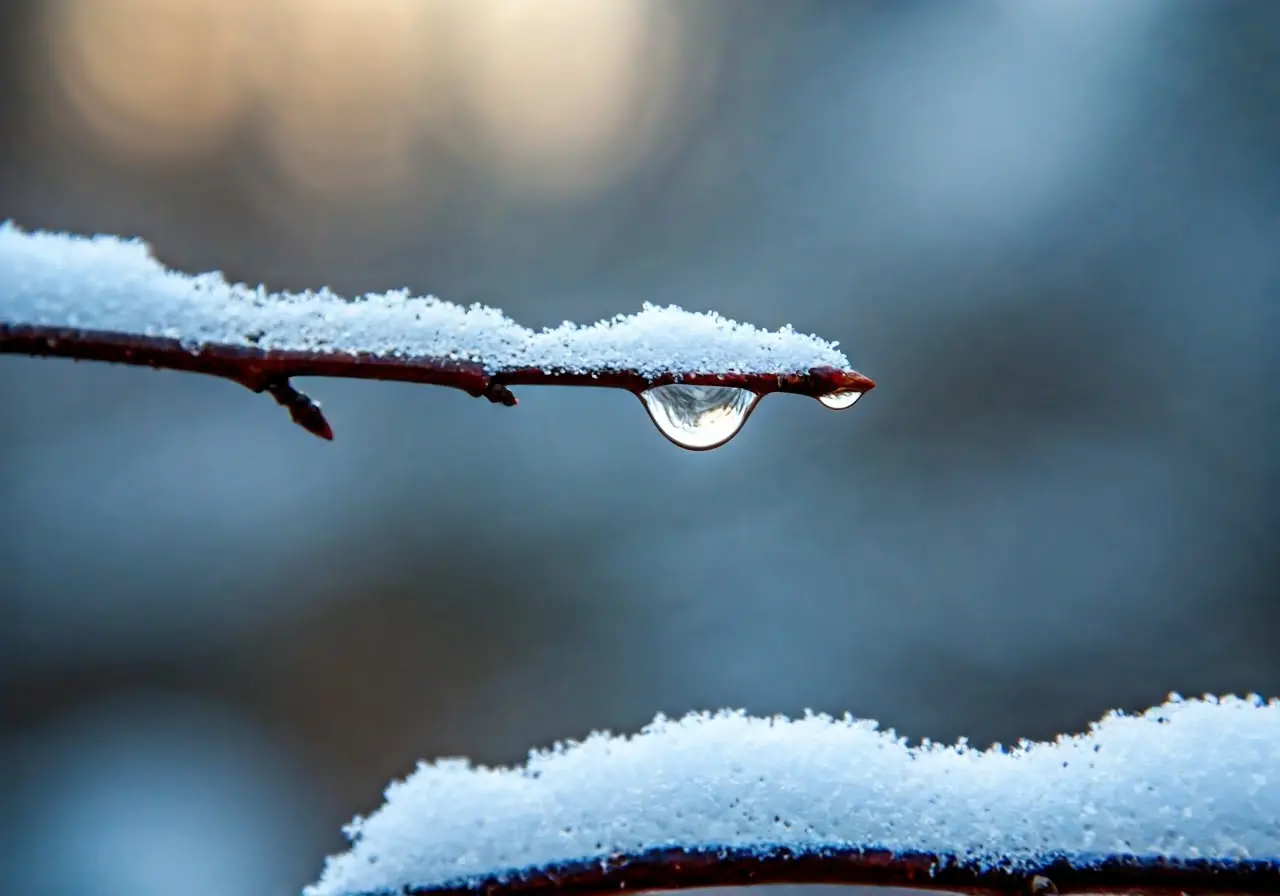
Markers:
point(108, 299)
point(1182, 798)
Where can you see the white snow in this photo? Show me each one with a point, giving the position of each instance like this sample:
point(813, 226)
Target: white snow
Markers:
point(1188, 779)
point(107, 283)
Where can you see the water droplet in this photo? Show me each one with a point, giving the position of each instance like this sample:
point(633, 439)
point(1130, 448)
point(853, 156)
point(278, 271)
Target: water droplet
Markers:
point(699, 417)
point(838, 401)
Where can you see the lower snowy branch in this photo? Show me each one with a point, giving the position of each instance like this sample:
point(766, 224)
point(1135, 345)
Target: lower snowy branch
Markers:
point(1182, 798)
point(669, 870)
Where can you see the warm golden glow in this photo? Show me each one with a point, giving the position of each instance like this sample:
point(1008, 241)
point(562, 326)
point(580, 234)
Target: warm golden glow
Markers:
point(346, 89)
point(152, 77)
point(557, 96)
point(558, 87)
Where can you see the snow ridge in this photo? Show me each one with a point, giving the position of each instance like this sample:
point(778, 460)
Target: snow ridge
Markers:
point(1190, 779)
point(112, 284)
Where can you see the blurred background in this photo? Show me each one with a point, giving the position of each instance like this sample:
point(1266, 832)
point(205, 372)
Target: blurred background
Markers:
point(1048, 230)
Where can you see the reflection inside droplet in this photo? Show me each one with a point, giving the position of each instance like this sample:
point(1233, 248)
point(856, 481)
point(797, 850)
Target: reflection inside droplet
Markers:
point(838, 401)
point(699, 417)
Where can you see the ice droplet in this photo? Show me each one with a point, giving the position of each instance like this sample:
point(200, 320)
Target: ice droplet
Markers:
point(838, 401)
point(699, 417)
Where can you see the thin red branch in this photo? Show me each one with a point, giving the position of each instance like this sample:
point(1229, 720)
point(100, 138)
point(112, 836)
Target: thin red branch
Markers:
point(269, 371)
point(667, 870)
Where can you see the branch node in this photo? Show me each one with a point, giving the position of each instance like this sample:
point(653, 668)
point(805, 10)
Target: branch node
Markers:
point(303, 410)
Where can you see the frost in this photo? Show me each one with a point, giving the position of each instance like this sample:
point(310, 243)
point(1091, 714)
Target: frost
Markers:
point(107, 283)
point(1196, 779)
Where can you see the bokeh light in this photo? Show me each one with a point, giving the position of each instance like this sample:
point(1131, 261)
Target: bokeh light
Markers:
point(559, 97)
point(566, 95)
point(154, 78)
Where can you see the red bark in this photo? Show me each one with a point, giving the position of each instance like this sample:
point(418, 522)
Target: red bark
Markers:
point(270, 370)
point(666, 870)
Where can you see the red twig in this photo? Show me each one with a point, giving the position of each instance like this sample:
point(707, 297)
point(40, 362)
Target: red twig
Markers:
point(666, 870)
point(270, 371)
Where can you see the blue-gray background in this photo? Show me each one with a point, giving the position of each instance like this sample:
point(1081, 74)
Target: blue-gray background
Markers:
point(1049, 230)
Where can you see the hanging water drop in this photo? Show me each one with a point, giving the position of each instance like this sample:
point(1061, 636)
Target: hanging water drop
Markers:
point(838, 401)
point(699, 417)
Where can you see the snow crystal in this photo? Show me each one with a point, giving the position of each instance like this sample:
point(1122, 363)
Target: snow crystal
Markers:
point(1196, 779)
point(107, 283)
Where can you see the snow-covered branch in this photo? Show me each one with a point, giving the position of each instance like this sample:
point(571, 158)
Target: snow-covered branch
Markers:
point(1182, 798)
point(107, 299)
